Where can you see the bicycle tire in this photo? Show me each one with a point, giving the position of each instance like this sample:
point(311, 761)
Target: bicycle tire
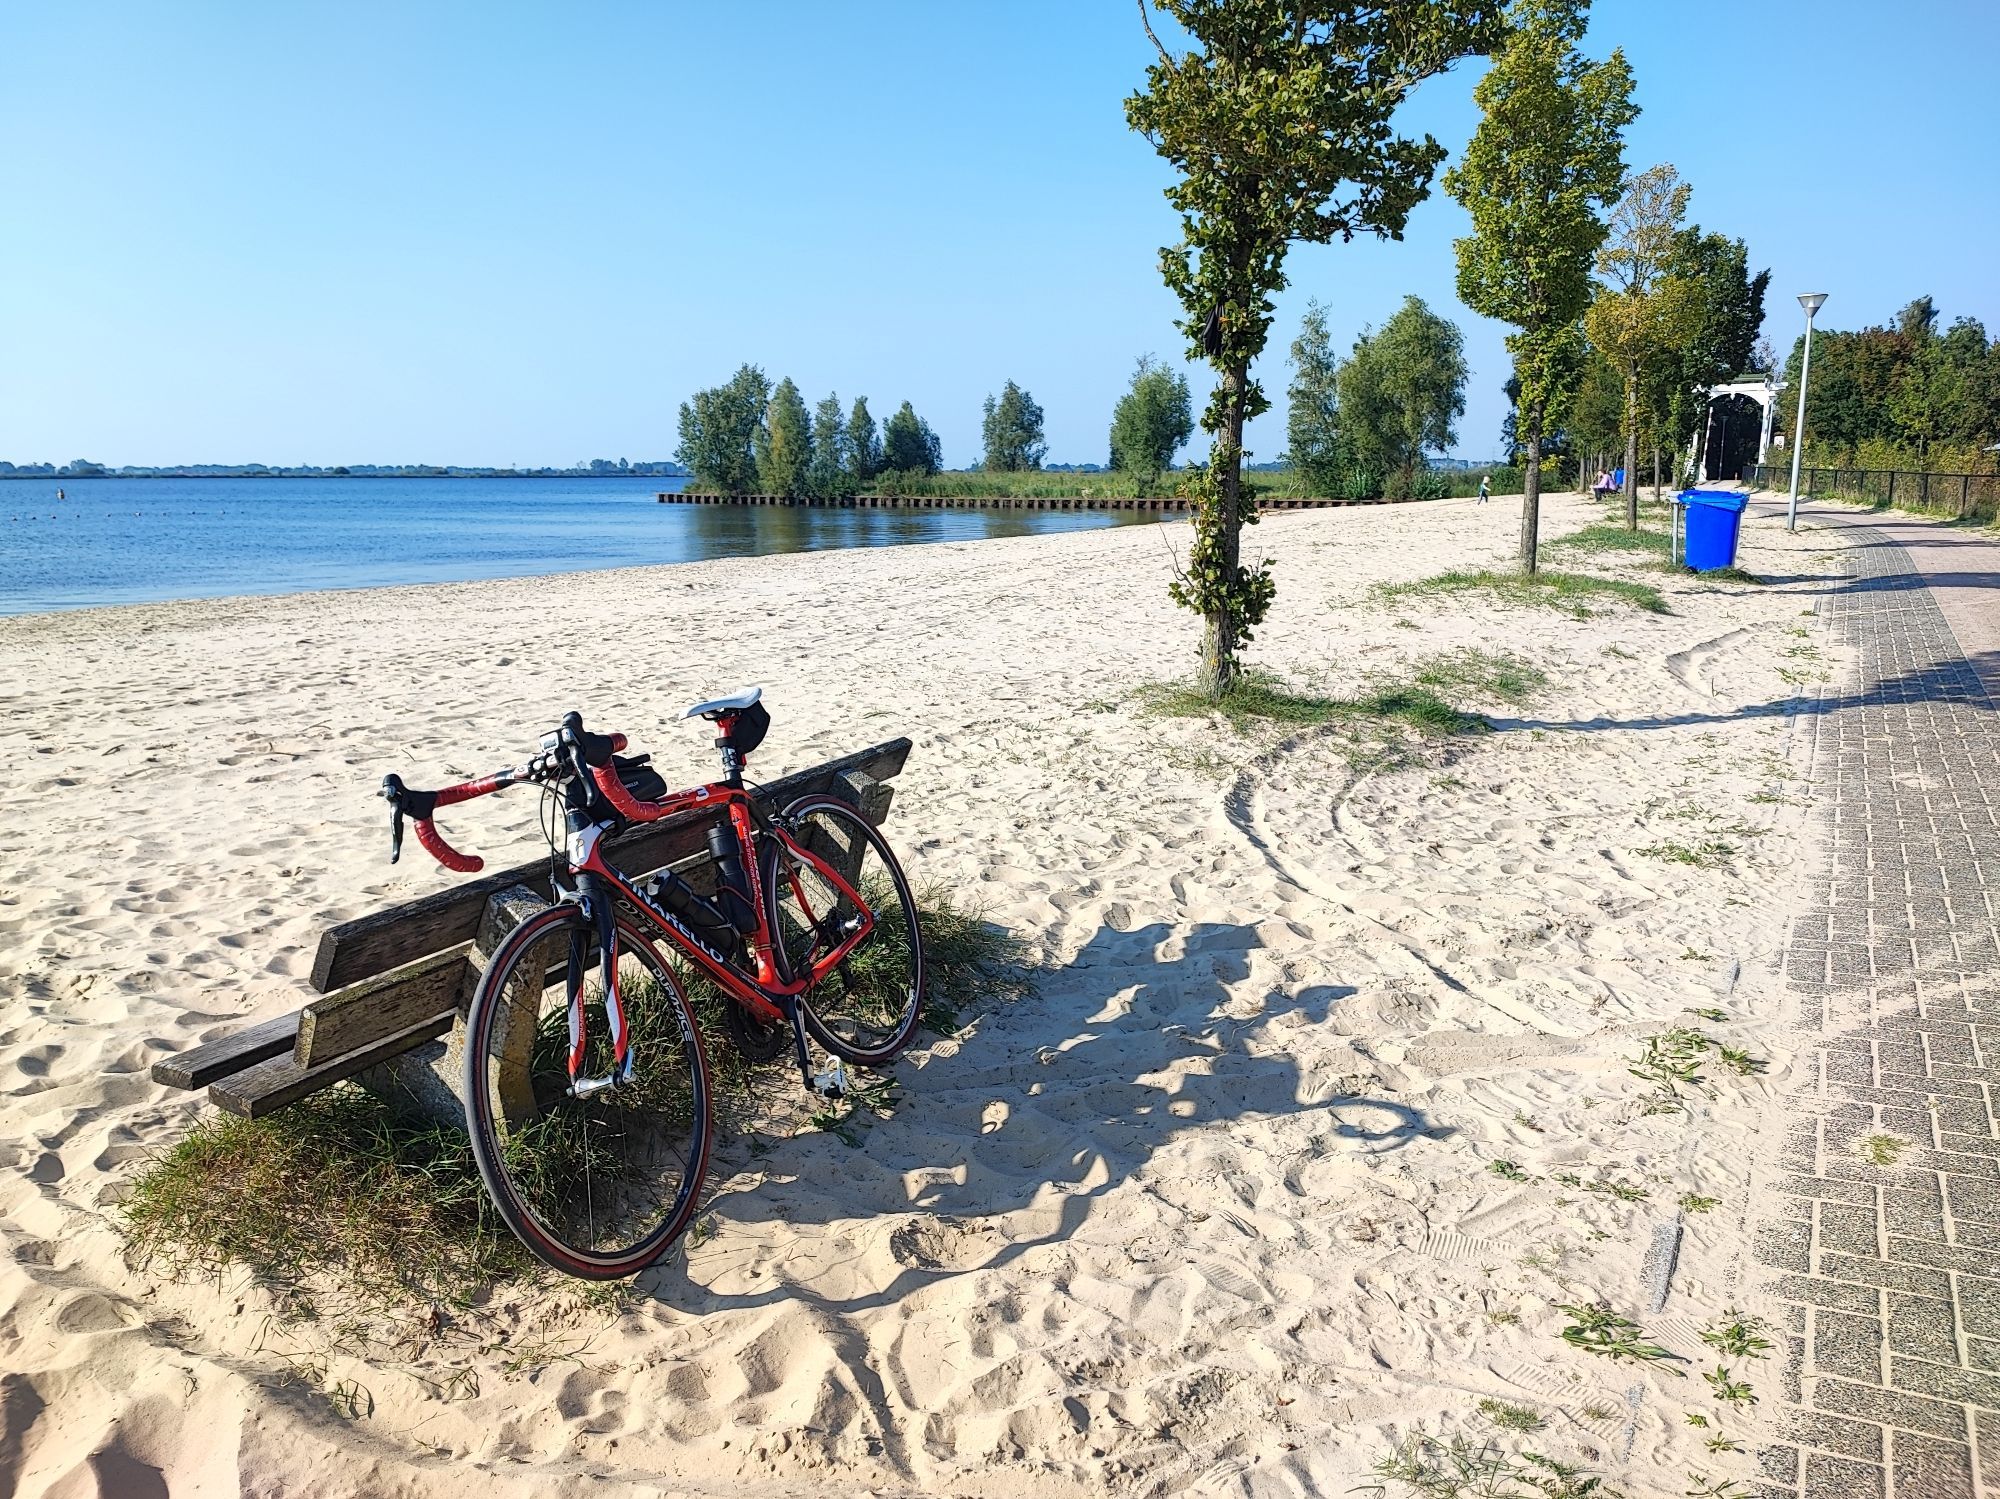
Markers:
point(898, 932)
point(664, 1035)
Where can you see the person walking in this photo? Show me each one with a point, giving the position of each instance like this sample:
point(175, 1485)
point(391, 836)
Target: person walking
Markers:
point(1485, 488)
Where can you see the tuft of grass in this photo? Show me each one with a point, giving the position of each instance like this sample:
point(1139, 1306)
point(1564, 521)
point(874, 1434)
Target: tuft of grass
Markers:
point(1731, 575)
point(1428, 1467)
point(1690, 1203)
point(340, 1180)
point(1568, 593)
point(1729, 1389)
point(1259, 697)
point(1609, 538)
point(1601, 1331)
point(1493, 674)
point(1507, 1171)
point(1735, 1335)
point(1711, 853)
point(1880, 1150)
point(1508, 1417)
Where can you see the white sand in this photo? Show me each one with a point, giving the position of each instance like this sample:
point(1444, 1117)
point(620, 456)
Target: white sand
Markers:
point(1210, 1214)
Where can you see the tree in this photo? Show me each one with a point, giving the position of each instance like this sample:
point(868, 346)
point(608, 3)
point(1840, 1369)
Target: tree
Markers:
point(827, 475)
point(1278, 125)
point(1150, 422)
point(1547, 159)
point(719, 428)
point(1643, 313)
point(1312, 419)
point(1403, 390)
point(1012, 429)
point(864, 448)
point(908, 444)
point(1728, 318)
point(784, 442)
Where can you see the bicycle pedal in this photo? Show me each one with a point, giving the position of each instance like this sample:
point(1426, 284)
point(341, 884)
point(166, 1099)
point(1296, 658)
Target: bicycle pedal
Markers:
point(831, 1080)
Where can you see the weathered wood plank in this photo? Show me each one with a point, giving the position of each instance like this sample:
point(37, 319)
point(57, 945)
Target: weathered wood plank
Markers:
point(199, 1066)
point(270, 1086)
point(382, 940)
point(351, 1017)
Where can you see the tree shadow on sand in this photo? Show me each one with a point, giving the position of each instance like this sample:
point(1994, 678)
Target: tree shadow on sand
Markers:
point(1053, 1102)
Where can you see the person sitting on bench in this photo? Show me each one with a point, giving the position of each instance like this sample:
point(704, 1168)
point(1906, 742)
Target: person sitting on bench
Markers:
point(1609, 483)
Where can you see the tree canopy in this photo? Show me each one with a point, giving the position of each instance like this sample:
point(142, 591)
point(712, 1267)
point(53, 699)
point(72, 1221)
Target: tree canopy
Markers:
point(1896, 394)
point(827, 475)
point(1402, 391)
point(1012, 430)
point(908, 444)
point(864, 447)
point(1312, 419)
point(1277, 122)
point(1546, 160)
point(784, 442)
point(1150, 422)
point(719, 428)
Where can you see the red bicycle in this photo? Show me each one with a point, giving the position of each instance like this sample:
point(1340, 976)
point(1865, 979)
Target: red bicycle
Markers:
point(592, 1140)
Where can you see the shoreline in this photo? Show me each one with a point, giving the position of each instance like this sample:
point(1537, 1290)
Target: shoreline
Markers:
point(1224, 1191)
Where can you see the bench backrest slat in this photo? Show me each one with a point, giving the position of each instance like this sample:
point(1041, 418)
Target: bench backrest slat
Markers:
point(382, 940)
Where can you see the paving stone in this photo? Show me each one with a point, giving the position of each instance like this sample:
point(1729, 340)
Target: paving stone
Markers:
point(1839, 1296)
point(1841, 1478)
point(1848, 1346)
point(1938, 1418)
point(1922, 1327)
point(1923, 1467)
point(1849, 1230)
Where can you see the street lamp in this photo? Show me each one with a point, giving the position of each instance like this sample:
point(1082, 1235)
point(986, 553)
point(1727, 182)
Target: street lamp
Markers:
point(1812, 302)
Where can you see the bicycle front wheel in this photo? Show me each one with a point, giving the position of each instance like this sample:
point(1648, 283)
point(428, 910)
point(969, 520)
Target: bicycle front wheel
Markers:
point(866, 1008)
point(599, 1186)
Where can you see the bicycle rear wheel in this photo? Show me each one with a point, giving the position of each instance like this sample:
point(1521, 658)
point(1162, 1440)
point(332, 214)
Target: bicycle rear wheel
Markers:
point(598, 1186)
point(867, 1009)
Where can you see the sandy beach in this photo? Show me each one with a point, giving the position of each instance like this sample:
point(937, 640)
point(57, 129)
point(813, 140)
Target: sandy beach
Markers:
point(1213, 1212)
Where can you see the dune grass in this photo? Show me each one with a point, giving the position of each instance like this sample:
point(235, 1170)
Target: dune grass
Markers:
point(1568, 593)
point(1259, 697)
point(1494, 674)
point(1605, 537)
point(350, 1185)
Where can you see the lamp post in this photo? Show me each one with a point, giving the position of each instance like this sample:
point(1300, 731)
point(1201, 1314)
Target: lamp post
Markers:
point(1812, 302)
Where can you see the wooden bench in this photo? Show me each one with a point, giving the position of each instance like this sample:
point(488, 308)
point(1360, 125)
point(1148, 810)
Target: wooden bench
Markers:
point(393, 986)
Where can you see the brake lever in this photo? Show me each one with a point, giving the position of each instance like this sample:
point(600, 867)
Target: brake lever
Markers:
point(392, 793)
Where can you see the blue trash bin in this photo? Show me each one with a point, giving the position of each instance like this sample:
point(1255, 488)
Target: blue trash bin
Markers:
point(1714, 520)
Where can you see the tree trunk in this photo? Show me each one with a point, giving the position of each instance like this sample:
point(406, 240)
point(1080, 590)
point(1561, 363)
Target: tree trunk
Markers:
point(1656, 474)
point(1531, 491)
point(1218, 644)
point(1632, 452)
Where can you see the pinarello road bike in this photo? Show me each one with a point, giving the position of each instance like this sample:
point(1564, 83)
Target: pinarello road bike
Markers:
point(593, 1151)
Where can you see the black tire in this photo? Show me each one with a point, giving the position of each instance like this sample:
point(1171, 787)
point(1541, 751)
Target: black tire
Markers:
point(598, 1187)
point(868, 1011)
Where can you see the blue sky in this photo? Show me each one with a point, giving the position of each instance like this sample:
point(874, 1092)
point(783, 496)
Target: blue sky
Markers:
point(523, 233)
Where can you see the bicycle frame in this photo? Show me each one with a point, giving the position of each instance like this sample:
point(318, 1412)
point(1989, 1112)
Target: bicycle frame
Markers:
point(766, 995)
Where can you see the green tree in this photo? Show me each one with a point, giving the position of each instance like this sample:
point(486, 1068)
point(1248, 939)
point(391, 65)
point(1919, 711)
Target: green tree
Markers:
point(908, 444)
point(827, 475)
point(1150, 422)
point(1643, 313)
point(864, 448)
point(718, 430)
point(1312, 417)
point(1278, 124)
point(1402, 391)
point(784, 442)
point(1012, 430)
point(1728, 320)
point(1547, 159)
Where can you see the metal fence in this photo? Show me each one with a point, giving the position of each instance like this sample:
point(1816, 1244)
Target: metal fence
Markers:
point(1964, 496)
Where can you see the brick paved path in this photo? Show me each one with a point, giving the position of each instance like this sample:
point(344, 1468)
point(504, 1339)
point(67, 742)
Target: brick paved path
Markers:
point(1891, 1275)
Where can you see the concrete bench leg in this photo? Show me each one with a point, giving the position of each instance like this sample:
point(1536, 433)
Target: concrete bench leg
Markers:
point(429, 1077)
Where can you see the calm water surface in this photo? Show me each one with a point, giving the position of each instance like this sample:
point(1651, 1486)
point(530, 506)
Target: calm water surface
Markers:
point(125, 541)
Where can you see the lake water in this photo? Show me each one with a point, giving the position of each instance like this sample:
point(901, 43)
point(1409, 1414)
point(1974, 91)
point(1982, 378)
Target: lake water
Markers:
point(123, 541)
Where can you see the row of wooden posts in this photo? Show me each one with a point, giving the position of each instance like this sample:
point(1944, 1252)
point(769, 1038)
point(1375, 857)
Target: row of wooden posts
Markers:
point(982, 502)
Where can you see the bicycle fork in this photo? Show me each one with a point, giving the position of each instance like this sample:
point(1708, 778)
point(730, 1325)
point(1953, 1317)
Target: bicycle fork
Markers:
point(622, 1059)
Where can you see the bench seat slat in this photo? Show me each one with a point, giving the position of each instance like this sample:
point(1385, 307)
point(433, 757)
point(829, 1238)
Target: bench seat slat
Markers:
point(199, 1066)
point(337, 1023)
point(269, 1086)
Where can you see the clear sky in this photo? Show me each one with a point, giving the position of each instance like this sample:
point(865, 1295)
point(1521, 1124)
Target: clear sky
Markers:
point(521, 234)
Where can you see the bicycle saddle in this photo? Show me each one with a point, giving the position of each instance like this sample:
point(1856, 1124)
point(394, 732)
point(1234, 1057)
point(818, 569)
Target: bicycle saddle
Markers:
point(747, 698)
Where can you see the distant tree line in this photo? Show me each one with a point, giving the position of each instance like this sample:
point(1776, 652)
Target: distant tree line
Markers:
point(1903, 396)
point(747, 436)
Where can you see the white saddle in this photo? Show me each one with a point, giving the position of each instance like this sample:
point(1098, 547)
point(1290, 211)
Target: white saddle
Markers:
point(736, 704)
